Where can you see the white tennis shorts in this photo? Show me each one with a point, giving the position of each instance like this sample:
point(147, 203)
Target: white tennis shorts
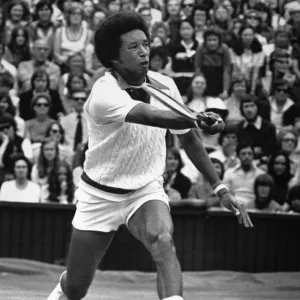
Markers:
point(108, 212)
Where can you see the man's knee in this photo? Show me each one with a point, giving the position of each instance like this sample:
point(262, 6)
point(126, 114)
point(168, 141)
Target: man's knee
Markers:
point(160, 244)
point(75, 290)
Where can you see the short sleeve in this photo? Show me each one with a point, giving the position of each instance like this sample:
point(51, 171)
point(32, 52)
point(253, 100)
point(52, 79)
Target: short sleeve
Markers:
point(108, 103)
point(176, 95)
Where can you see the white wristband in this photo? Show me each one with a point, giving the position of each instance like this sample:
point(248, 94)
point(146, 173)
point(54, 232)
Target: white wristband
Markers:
point(220, 187)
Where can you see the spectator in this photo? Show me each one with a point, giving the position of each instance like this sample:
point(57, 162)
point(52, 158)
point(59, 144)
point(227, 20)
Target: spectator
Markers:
point(182, 53)
point(247, 57)
point(47, 160)
point(40, 83)
point(128, 5)
point(89, 10)
point(293, 199)
point(276, 16)
point(204, 191)
point(74, 123)
point(173, 178)
point(199, 17)
point(187, 8)
point(261, 132)
point(265, 27)
point(20, 189)
point(3, 30)
point(222, 21)
point(43, 28)
point(279, 103)
point(40, 54)
point(37, 126)
point(228, 141)
point(7, 107)
point(145, 12)
point(196, 98)
point(60, 184)
point(253, 19)
point(280, 170)
point(112, 7)
point(12, 145)
point(72, 37)
point(238, 89)
point(56, 133)
point(76, 66)
point(161, 30)
point(288, 140)
point(5, 65)
point(18, 14)
point(264, 191)
point(158, 59)
point(8, 86)
point(18, 48)
point(156, 15)
point(240, 179)
point(173, 18)
point(214, 62)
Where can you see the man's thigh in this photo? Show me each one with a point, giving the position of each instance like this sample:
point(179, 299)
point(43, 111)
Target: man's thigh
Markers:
point(150, 220)
point(86, 251)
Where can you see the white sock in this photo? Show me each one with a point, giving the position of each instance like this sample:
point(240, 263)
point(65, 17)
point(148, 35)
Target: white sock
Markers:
point(173, 298)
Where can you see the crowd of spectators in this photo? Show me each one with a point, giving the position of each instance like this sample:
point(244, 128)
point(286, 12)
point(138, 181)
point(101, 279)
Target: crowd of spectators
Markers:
point(238, 58)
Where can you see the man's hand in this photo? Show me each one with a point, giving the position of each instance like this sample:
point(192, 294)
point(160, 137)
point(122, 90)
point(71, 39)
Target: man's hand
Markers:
point(216, 123)
point(237, 207)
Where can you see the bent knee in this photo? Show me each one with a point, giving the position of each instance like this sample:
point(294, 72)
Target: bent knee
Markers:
point(76, 291)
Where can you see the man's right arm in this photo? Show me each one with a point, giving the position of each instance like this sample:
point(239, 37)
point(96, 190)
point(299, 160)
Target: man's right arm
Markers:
point(146, 114)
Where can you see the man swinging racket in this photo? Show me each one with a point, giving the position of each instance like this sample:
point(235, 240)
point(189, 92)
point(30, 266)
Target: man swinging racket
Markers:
point(122, 179)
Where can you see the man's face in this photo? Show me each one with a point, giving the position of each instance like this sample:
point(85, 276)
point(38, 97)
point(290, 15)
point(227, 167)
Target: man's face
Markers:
point(127, 5)
point(144, 3)
point(79, 99)
point(21, 169)
point(246, 156)
point(173, 7)
point(281, 95)
point(146, 15)
point(250, 111)
point(212, 42)
point(133, 54)
point(187, 7)
point(40, 52)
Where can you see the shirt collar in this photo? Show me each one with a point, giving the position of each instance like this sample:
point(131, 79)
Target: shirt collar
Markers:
point(124, 85)
point(257, 124)
point(286, 105)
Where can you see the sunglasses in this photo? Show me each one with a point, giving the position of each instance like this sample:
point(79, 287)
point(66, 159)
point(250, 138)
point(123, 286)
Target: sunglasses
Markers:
point(42, 104)
point(289, 140)
point(187, 5)
point(79, 98)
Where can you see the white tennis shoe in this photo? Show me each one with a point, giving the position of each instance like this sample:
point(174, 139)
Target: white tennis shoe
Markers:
point(57, 293)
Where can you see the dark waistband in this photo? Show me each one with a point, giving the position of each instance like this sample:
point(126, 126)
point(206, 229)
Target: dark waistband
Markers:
point(105, 188)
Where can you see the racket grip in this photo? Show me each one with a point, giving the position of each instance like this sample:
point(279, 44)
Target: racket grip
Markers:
point(206, 119)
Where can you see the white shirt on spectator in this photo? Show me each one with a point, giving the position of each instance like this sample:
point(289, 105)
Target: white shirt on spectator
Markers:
point(276, 114)
point(10, 192)
point(241, 183)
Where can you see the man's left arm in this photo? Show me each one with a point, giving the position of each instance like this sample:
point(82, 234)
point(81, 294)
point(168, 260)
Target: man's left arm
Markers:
point(195, 150)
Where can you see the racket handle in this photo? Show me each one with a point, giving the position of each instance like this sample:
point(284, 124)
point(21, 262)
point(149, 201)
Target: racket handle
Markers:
point(206, 119)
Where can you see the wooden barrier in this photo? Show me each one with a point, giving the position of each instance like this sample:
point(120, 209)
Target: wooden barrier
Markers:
point(205, 240)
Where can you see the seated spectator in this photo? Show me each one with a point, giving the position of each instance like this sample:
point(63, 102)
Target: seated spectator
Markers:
point(158, 60)
point(6, 106)
point(199, 16)
point(9, 86)
point(145, 13)
point(247, 57)
point(237, 91)
point(280, 170)
point(18, 49)
point(161, 30)
point(37, 126)
point(18, 14)
point(276, 16)
point(228, 141)
point(196, 97)
point(279, 103)
point(12, 145)
point(43, 28)
point(204, 191)
point(71, 38)
point(60, 184)
point(3, 30)
point(214, 62)
point(182, 53)
point(173, 178)
point(156, 15)
point(5, 65)
point(240, 179)
point(261, 133)
point(173, 18)
point(40, 83)
point(89, 10)
point(39, 60)
point(47, 160)
point(293, 199)
point(287, 140)
point(21, 188)
point(74, 123)
point(263, 189)
point(57, 133)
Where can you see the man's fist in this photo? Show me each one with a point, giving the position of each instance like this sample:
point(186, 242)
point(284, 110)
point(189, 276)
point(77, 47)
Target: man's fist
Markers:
point(213, 125)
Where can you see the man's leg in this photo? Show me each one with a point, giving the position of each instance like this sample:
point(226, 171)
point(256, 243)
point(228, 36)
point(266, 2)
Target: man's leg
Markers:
point(86, 251)
point(152, 225)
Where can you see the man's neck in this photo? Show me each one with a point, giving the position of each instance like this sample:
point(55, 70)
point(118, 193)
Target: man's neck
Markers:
point(42, 118)
point(39, 63)
point(130, 78)
point(252, 121)
point(246, 168)
point(21, 182)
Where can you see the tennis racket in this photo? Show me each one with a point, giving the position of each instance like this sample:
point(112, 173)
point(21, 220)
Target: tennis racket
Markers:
point(176, 106)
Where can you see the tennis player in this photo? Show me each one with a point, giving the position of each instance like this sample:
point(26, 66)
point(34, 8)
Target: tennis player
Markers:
point(122, 178)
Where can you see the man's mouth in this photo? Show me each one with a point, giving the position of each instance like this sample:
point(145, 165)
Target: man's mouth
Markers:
point(145, 63)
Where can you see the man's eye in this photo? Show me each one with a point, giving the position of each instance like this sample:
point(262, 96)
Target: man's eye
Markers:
point(133, 47)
